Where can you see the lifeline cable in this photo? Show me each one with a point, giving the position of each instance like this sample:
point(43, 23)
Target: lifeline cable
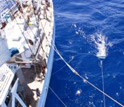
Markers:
point(27, 32)
point(21, 31)
point(57, 97)
point(26, 40)
point(103, 87)
point(76, 73)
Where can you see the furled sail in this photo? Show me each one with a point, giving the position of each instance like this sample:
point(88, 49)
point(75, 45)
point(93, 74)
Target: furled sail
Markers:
point(4, 52)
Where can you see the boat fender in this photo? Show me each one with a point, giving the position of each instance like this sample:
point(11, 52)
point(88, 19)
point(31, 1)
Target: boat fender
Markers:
point(3, 25)
point(13, 51)
point(37, 92)
point(30, 42)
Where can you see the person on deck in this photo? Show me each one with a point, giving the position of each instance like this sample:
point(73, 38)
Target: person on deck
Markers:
point(38, 92)
point(47, 2)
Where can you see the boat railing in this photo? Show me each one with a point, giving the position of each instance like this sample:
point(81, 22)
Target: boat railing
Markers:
point(40, 36)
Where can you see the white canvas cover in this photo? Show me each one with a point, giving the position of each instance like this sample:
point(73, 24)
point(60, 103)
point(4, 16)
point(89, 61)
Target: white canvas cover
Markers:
point(6, 77)
point(4, 52)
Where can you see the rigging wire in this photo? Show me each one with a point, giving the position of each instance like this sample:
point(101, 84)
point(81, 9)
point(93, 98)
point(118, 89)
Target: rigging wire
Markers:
point(84, 79)
point(34, 11)
point(27, 32)
point(103, 85)
point(62, 67)
point(37, 20)
point(70, 62)
point(27, 24)
point(43, 28)
point(26, 42)
point(57, 97)
point(21, 31)
point(76, 73)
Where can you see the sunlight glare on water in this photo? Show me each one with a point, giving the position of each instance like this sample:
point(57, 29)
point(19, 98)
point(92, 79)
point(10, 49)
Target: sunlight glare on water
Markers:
point(89, 30)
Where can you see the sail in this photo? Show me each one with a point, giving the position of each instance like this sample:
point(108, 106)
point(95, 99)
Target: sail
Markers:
point(4, 52)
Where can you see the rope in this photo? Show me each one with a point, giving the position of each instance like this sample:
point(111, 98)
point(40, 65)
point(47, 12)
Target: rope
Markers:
point(27, 42)
point(21, 31)
point(43, 28)
point(28, 32)
point(76, 73)
point(70, 62)
point(37, 21)
point(103, 87)
point(62, 67)
point(57, 97)
point(34, 11)
point(27, 23)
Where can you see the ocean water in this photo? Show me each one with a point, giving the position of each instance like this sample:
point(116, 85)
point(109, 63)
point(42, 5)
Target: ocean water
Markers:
point(90, 37)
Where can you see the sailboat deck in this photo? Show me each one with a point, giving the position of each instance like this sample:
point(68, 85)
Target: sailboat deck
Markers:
point(32, 82)
point(15, 32)
point(32, 79)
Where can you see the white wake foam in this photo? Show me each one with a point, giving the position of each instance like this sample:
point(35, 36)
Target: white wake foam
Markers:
point(101, 45)
point(98, 40)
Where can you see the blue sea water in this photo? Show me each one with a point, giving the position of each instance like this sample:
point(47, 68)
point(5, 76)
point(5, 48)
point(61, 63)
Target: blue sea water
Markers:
point(87, 30)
